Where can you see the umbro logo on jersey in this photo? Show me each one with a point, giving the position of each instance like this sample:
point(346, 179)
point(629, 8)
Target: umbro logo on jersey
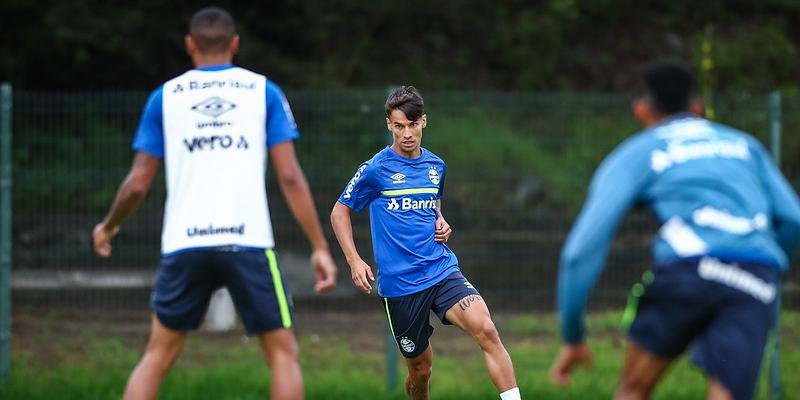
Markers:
point(398, 178)
point(213, 106)
point(213, 124)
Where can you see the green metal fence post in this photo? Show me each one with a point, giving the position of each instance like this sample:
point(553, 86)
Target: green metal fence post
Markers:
point(5, 230)
point(775, 358)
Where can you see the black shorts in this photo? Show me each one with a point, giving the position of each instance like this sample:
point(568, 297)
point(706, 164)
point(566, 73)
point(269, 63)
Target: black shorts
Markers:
point(725, 311)
point(409, 315)
point(186, 281)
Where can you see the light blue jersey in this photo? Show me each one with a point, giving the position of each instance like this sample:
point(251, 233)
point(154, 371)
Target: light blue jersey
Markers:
point(714, 190)
point(402, 195)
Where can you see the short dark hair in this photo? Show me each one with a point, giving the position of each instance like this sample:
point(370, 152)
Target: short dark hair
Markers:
point(408, 100)
point(212, 29)
point(670, 86)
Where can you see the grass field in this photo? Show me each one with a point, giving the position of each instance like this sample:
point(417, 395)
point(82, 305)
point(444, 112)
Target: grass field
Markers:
point(342, 355)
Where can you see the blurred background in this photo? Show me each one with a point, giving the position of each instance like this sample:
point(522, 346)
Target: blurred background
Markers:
point(506, 45)
point(524, 99)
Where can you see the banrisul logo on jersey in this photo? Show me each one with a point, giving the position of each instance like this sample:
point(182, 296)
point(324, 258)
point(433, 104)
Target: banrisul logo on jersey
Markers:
point(407, 203)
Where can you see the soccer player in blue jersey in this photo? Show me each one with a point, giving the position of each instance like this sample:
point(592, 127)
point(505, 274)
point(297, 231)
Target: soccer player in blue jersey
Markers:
point(417, 273)
point(729, 222)
point(214, 127)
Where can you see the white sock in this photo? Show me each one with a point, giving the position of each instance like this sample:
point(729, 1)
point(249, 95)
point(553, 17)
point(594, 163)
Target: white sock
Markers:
point(510, 394)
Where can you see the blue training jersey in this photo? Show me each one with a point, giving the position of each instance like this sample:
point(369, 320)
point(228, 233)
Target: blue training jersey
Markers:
point(402, 195)
point(714, 190)
point(280, 122)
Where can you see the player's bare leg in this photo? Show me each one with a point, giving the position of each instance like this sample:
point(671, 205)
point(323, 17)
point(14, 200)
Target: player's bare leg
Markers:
point(163, 348)
point(472, 316)
point(717, 391)
point(419, 375)
point(641, 372)
point(281, 352)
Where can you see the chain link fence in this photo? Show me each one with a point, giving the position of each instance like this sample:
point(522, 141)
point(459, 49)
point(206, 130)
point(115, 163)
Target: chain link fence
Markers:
point(518, 167)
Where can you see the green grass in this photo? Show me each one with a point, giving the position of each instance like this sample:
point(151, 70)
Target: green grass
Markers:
point(344, 364)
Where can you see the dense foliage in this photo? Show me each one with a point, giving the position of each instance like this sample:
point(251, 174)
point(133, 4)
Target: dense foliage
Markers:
point(508, 45)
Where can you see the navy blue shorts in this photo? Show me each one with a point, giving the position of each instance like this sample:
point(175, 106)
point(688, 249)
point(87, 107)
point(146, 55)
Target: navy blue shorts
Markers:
point(186, 281)
point(725, 311)
point(409, 315)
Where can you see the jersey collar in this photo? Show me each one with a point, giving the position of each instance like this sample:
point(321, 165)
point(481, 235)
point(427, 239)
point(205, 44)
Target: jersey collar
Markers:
point(218, 67)
point(422, 152)
point(676, 117)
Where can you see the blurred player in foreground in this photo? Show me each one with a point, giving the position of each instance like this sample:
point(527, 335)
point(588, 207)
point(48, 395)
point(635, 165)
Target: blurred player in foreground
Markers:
point(729, 222)
point(417, 273)
point(214, 126)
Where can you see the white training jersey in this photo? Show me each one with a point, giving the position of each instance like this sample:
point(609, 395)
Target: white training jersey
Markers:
point(215, 160)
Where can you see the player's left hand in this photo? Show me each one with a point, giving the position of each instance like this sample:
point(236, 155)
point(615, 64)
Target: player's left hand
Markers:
point(568, 358)
point(101, 238)
point(324, 271)
point(443, 230)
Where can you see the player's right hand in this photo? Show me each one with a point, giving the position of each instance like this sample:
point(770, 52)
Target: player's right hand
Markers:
point(443, 230)
point(362, 275)
point(567, 359)
point(101, 238)
point(324, 271)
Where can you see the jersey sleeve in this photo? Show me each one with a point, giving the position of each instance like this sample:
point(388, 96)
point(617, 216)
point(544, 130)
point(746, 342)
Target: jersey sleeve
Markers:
point(280, 121)
point(442, 177)
point(362, 188)
point(149, 136)
point(614, 188)
point(784, 202)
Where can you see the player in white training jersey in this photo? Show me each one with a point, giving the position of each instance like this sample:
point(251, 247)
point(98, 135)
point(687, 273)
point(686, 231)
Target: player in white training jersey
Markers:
point(214, 127)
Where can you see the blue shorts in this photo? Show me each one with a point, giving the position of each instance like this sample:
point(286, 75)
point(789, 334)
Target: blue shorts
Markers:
point(725, 311)
point(185, 282)
point(409, 315)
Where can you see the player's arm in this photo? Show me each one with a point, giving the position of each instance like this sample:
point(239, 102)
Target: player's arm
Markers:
point(281, 132)
point(360, 271)
point(361, 190)
point(613, 190)
point(297, 193)
point(443, 229)
point(611, 194)
point(129, 196)
point(148, 143)
point(785, 205)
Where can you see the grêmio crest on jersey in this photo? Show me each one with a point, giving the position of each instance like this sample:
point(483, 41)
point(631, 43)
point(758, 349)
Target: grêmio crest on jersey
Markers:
point(433, 175)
